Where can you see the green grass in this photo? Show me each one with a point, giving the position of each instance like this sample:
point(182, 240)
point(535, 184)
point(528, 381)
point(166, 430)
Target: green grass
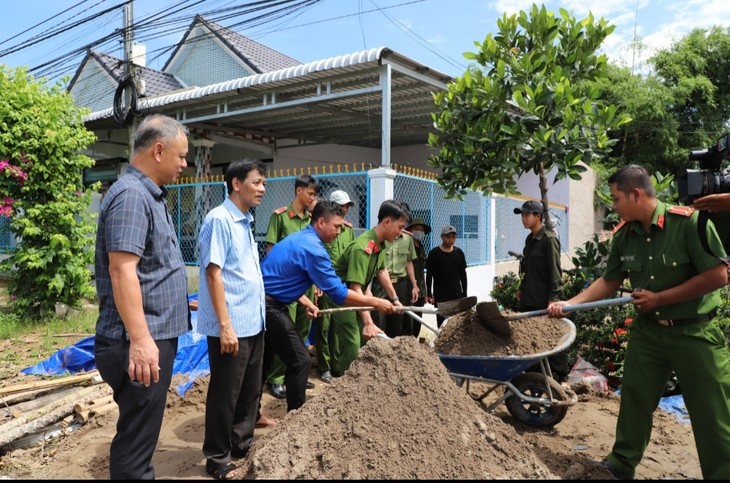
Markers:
point(27, 341)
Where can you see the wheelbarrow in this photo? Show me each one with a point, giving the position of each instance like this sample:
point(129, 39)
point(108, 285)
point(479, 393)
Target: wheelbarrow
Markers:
point(534, 398)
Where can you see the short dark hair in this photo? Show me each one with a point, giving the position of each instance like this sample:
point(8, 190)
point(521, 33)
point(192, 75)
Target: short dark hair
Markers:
point(240, 168)
point(156, 127)
point(326, 209)
point(306, 181)
point(631, 177)
point(393, 209)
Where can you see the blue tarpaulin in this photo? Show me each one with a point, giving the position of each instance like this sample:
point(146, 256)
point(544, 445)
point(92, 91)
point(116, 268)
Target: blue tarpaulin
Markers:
point(191, 358)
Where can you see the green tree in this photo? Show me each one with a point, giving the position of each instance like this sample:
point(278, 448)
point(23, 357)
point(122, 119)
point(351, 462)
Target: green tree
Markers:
point(697, 71)
point(42, 138)
point(525, 106)
point(650, 139)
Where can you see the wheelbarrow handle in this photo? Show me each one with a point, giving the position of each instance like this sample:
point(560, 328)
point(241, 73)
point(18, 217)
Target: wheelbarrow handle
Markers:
point(571, 308)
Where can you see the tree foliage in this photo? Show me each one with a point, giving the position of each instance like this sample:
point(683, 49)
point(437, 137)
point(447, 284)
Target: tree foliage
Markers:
point(525, 106)
point(697, 70)
point(650, 140)
point(42, 138)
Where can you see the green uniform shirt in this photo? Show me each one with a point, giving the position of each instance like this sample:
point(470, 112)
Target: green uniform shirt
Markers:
point(285, 221)
point(398, 253)
point(338, 245)
point(542, 277)
point(669, 255)
point(361, 259)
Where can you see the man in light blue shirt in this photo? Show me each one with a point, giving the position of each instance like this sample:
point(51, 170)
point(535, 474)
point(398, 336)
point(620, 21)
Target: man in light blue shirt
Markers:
point(231, 313)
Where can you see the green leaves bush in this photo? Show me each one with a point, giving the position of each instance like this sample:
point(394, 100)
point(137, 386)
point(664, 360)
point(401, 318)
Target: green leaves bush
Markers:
point(42, 134)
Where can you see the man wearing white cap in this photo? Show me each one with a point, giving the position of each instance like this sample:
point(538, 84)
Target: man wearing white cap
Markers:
point(335, 248)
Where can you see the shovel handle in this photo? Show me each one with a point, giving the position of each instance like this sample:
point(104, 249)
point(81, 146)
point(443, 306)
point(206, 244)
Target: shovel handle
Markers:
point(398, 307)
point(571, 308)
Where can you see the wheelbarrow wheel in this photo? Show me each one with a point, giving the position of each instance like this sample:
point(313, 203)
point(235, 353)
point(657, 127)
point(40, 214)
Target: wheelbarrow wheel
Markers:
point(543, 416)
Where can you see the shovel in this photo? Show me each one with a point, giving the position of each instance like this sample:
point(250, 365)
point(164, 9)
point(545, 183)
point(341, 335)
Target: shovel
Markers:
point(445, 309)
point(491, 318)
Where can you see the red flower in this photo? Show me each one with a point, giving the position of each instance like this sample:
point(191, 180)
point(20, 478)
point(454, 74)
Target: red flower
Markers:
point(628, 322)
point(619, 331)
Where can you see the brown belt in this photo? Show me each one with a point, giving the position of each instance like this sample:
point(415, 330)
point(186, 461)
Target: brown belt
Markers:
point(691, 320)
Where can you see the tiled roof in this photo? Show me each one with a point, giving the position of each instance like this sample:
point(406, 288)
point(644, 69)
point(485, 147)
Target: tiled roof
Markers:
point(259, 57)
point(156, 82)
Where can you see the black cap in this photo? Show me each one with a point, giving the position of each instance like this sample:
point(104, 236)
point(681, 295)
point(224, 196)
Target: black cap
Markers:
point(530, 207)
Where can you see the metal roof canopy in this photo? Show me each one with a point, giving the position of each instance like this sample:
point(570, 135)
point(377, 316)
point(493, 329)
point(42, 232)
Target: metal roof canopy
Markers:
point(372, 98)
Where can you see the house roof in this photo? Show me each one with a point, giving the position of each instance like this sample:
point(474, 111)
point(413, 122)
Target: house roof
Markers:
point(339, 100)
point(156, 82)
point(258, 57)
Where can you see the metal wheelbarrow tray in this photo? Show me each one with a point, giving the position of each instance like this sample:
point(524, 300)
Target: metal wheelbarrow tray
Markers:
point(532, 397)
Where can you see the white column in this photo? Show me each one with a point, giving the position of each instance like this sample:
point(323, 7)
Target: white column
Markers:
point(386, 87)
point(381, 189)
point(203, 156)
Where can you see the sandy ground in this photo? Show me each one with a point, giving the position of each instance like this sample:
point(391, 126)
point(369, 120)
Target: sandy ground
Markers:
point(397, 413)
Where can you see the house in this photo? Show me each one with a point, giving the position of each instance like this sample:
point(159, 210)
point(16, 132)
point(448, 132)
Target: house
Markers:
point(369, 108)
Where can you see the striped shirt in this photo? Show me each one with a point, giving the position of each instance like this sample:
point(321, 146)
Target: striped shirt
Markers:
point(134, 219)
point(226, 240)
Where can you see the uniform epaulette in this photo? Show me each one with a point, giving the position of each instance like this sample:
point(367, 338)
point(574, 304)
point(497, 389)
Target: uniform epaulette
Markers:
point(279, 211)
point(618, 227)
point(407, 232)
point(372, 248)
point(681, 210)
point(347, 223)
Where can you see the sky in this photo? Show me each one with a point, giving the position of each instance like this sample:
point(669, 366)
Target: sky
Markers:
point(435, 33)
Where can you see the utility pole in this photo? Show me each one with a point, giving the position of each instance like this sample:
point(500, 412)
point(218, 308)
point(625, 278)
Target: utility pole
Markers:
point(130, 70)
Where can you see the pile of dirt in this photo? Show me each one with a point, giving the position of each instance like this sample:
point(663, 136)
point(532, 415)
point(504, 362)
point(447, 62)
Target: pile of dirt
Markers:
point(464, 335)
point(395, 414)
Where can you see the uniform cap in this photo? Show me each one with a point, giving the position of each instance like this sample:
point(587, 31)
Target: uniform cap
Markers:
point(419, 221)
point(530, 207)
point(448, 229)
point(341, 198)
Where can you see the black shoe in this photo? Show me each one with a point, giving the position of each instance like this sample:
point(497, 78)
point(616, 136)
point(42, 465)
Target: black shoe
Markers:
point(310, 385)
point(618, 474)
point(277, 390)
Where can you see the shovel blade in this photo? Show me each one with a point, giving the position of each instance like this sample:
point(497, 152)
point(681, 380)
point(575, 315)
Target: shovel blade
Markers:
point(453, 307)
point(490, 317)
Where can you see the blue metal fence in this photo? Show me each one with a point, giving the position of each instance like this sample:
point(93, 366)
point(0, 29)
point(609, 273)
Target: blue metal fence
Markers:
point(189, 202)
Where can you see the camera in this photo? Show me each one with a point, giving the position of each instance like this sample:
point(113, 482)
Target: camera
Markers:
point(709, 179)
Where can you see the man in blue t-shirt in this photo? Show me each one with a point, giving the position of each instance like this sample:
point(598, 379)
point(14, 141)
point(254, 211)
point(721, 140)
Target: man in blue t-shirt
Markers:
point(292, 266)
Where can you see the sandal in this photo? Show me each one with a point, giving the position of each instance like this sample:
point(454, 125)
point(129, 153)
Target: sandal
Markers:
point(222, 472)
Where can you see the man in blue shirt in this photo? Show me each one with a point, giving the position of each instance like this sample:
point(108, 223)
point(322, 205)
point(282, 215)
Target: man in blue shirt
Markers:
point(292, 266)
point(143, 293)
point(231, 313)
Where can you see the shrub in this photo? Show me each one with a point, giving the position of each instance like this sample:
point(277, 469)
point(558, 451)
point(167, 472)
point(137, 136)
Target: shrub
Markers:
point(42, 138)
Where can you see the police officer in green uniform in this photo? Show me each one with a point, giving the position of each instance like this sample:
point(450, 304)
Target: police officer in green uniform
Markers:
point(285, 221)
point(676, 281)
point(399, 257)
point(335, 249)
point(358, 265)
point(541, 275)
point(418, 230)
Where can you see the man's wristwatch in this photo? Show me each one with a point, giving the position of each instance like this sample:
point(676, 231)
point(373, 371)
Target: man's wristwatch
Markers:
point(393, 299)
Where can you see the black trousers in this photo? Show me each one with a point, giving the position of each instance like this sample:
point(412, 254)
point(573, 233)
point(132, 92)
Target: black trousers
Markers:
point(283, 340)
point(140, 408)
point(233, 398)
